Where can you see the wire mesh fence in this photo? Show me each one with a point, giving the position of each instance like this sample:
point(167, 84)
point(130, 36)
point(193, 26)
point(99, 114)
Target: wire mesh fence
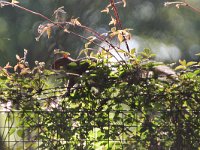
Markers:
point(29, 134)
point(150, 114)
point(31, 130)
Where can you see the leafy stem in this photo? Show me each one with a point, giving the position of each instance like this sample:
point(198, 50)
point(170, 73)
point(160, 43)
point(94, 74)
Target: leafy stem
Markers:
point(119, 22)
point(5, 3)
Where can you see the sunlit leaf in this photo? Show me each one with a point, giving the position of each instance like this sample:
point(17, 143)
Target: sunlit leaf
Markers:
point(18, 66)
point(180, 67)
point(113, 34)
point(113, 29)
point(113, 21)
point(8, 66)
point(14, 2)
point(106, 10)
point(75, 21)
point(49, 32)
point(25, 71)
point(191, 75)
point(120, 37)
point(197, 72)
point(133, 51)
point(198, 54)
point(124, 1)
point(191, 63)
point(66, 30)
point(183, 62)
point(178, 6)
point(44, 28)
point(18, 58)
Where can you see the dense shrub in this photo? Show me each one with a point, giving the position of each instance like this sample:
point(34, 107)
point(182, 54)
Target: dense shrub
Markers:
point(95, 102)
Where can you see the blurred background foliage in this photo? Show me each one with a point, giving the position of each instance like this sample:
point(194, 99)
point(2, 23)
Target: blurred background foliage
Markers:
point(171, 33)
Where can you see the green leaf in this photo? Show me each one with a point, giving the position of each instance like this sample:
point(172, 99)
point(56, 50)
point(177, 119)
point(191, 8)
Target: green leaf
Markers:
point(132, 51)
point(144, 54)
point(197, 72)
point(20, 133)
point(72, 64)
point(191, 63)
point(12, 131)
point(183, 62)
point(180, 67)
point(147, 51)
point(121, 51)
point(190, 75)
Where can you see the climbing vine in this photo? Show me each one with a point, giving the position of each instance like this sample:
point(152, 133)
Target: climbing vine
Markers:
point(129, 102)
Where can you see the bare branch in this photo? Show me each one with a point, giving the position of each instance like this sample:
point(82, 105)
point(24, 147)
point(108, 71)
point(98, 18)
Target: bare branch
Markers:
point(179, 4)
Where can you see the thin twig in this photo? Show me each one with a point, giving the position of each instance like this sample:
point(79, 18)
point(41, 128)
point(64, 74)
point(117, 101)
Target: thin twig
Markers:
point(119, 22)
point(183, 4)
point(98, 36)
point(102, 39)
point(4, 3)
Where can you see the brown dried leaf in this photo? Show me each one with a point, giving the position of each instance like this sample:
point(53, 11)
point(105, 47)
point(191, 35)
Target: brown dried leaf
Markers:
point(25, 71)
point(16, 67)
point(106, 10)
point(66, 30)
point(42, 28)
point(7, 66)
point(113, 21)
point(128, 37)
point(75, 22)
point(113, 34)
point(21, 66)
point(18, 58)
point(59, 14)
point(48, 31)
point(120, 37)
point(14, 2)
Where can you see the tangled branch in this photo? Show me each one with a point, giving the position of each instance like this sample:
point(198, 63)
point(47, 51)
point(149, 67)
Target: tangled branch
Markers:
point(99, 37)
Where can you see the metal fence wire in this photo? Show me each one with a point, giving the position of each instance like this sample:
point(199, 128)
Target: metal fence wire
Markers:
point(33, 132)
point(60, 130)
